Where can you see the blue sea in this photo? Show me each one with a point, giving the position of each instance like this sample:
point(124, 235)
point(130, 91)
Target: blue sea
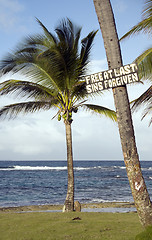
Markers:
point(45, 182)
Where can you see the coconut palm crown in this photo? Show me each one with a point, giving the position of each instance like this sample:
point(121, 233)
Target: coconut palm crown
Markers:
point(144, 61)
point(54, 67)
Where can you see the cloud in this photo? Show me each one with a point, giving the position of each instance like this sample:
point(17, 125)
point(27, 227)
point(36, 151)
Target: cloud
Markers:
point(36, 137)
point(12, 5)
point(97, 66)
point(9, 14)
point(30, 136)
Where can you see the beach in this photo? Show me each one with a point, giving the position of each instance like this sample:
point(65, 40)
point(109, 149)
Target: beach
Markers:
point(88, 207)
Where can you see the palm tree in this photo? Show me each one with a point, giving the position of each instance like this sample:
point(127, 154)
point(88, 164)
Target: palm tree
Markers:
point(126, 131)
point(54, 66)
point(144, 61)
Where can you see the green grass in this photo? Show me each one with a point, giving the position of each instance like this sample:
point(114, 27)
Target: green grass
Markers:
point(56, 226)
point(145, 235)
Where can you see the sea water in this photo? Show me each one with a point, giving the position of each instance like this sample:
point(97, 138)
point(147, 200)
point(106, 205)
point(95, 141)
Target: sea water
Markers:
point(45, 182)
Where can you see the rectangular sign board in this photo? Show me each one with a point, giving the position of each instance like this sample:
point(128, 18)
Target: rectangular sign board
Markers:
point(112, 78)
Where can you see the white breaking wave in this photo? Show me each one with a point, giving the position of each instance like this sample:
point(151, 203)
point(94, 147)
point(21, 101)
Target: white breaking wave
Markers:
point(146, 169)
point(119, 167)
point(44, 168)
point(31, 168)
point(82, 168)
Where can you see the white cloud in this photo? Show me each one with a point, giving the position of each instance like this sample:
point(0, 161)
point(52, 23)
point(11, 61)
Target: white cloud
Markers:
point(12, 5)
point(30, 136)
point(97, 66)
point(9, 10)
point(36, 137)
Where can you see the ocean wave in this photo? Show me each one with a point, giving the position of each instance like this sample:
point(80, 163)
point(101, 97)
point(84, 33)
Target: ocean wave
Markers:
point(60, 168)
point(146, 169)
point(42, 168)
point(119, 167)
point(33, 168)
point(99, 200)
point(82, 168)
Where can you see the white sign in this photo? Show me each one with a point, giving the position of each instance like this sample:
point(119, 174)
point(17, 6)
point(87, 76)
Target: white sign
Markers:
point(112, 78)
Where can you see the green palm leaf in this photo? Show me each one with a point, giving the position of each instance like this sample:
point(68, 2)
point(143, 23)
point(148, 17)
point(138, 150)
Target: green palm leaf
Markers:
point(86, 47)
point(148, 111)
point(143, 26)
point(144, 100)
point(144, 62)
point(101, 111)
point(49, 35)
point(55, 68)
point(146, 24)
point(147, 11)
point(26, 89)
point(13, 110)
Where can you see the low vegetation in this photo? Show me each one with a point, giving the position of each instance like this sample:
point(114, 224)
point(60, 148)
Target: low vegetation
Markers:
point(71, 226)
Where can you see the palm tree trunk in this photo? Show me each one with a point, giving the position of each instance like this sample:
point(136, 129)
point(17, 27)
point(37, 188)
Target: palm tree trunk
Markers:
point(69, 202)
point(126, 131)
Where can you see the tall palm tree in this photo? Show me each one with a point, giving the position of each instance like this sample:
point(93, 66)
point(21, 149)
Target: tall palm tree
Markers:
point(54, 66)
point(126, 131)
point(144, 61)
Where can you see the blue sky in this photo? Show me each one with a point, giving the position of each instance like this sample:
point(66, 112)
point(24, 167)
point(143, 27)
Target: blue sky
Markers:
point(36, 136)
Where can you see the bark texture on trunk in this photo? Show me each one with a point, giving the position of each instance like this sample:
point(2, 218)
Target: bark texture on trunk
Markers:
point(69, 202)
point(138, 187)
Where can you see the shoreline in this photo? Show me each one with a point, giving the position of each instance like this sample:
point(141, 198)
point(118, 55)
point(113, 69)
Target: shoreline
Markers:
point(94, 207)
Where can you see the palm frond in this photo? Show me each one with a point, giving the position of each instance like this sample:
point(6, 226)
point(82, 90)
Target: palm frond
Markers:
point(45, 70)
point(147, 11)
point(79, 90)
point(144, 99)
point(100, 110)
point(148, 111)
point(26, 89)
point(143, 26)
point(47, 33)
point(146, 24)
point(66, 33)
point(13, 110)
point(7, 64)
point(86, 48)
point(144, 62)
point(53, 65)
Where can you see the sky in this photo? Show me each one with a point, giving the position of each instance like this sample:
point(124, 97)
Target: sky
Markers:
point(38, 137)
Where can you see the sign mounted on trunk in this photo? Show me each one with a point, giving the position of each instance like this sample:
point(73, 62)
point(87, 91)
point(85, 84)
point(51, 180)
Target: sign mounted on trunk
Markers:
point(112, 78)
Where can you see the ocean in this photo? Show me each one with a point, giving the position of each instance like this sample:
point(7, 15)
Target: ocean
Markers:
point(24, 183)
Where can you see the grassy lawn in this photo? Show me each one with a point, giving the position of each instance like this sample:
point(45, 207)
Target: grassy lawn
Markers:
point(56, 226)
